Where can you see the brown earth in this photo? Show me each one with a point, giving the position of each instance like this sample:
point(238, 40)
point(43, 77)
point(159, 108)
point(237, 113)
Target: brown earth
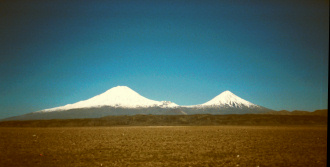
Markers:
point(165, 146)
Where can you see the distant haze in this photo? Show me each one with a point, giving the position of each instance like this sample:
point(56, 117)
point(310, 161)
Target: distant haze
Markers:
point(273, 53)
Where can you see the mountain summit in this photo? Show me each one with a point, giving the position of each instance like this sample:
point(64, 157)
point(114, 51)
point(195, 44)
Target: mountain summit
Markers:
point(228, 99)
point(120, 96)
point(225, 103)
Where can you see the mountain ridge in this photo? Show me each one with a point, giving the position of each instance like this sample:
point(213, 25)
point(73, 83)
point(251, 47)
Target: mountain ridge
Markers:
point(122, 100)
point(125, 97)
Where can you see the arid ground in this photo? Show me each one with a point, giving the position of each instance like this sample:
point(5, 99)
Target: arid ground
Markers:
point(164, 146)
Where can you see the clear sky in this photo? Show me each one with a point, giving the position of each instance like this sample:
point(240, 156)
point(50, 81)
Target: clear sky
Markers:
point(271, 53)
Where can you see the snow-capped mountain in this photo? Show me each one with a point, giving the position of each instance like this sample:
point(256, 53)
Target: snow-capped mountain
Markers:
point(227, 99)
point(122, 100)
point(120, 96)
point(225, 103)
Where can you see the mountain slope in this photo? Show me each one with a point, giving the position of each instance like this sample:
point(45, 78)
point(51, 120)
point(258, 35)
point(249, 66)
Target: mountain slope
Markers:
point(226, 103)
point(120, 96)
point(228, 99)
point(122, 100)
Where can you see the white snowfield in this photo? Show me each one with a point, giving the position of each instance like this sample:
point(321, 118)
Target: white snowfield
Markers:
point(120, 96)
point(125, 97)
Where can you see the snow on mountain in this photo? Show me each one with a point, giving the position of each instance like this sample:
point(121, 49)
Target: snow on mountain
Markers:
point(122, 100)
point(120, 96)
point(226, 99)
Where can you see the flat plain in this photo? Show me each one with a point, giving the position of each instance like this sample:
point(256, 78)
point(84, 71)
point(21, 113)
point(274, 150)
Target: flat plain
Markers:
point(164, 146)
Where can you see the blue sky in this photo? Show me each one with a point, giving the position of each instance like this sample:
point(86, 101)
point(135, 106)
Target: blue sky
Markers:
point(271, 53)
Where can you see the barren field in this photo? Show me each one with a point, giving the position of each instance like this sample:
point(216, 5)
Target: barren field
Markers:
point(165, 146)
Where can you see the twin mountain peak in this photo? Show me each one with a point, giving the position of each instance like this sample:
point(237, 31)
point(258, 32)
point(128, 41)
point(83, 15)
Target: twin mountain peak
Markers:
point(125, 97)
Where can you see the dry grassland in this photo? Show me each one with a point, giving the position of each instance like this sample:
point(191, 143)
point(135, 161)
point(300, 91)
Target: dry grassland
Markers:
point(165, 146)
